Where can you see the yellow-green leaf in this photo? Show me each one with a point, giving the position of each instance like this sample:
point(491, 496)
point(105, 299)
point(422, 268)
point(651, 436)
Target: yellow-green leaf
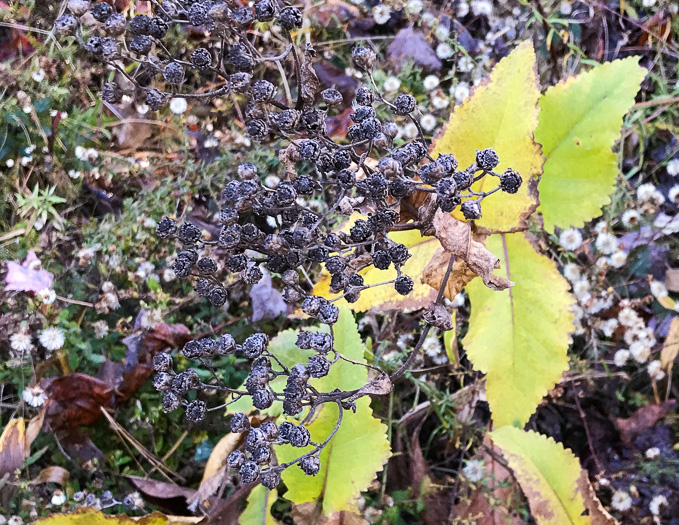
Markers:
point(90, 516)
point(258, 509)
point(385, 297)
point(502, 113)
point(548, 473)
point(360, 447)
point(579, 124)
point(519, 337)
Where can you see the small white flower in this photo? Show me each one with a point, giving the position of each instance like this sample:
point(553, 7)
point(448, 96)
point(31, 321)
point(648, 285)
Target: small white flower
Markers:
point(15, 520)
point(110, 300)
point(658, 289)
point(462, 9)
point(151, 318)
point(47, 295)
point(609, 326)
point(272, 181)
point(620, 358)
point(410, 130)
point(571, 272)
point(169, 275)
point(145, 270)
point(566, 8)
point(142, 109)
point(34, 396)
point(581, 288)
point(652, 453)
point(631, 218)
point(444, 51)
point(27, 109)
point(465, 64)
point(428, 122)
point(460, 92)
point(618, 259)
point(52, 338)
point(212, 142)
point(391, 84)
point(21, 342)
point(655, 370)
point(570, 239)
point(657, 501)
point(442, 33)
point(440, 102)
point(606, 243)
point(80, 152)
point(601, 227)
point(39, 75)
point(648, 3)
point(621, 500)
point(458, 300)
point(58, 498)
point(430, 82)
point(178, 105)
point(473, 470)
point(640, 351)
point(645, 192)
point(415, 6)
point(673, 194)
point(25, 161)
point(74, 174)
point(381, 14)
point(481, 7)
point(673, 167)
point(431, 346)
point(9, 163)
point(149, 223)
point(629, 318)
point(100, 329)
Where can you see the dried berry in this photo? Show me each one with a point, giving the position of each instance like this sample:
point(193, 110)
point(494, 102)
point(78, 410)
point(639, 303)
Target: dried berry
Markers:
point(487, 159)
point(173, 73)
point(101, 11)
point(471, 210)
point(162, 362)
point(310, 465)
point(403, 285)
point(510, 181)
point(249, 472)
point(239, 423)
point(195, 411)
point(112, 94)
point(201, 58)
point(404, 104)
point(290, 18)
point(363, 57)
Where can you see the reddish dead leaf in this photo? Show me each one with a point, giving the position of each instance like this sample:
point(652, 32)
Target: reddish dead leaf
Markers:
point(477, 506)
point(333, 13)
point(166, 336)
point(410, 206)
point(78, 446)
point(338, 125)
point(74, 400)
point(643, 419)
point(331, 76)
point(13, 43)
point(171, 498)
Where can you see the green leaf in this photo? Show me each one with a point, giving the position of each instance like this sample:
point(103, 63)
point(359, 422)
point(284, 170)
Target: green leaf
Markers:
point(579, 124)
point(360, 447)
point(519, 337)
point(550, 477)
point(258, 509)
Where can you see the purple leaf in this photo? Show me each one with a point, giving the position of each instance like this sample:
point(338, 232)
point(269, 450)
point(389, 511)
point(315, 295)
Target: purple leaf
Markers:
point(24, 278)
point(267, 302)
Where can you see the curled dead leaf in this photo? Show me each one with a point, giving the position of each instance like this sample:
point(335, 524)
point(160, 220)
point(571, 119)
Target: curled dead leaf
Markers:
point(435, 271)
point(642, 419)
point(54, 474)
point(456, 238)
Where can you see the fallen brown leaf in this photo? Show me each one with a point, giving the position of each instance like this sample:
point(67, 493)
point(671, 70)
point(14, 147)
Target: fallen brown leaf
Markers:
point(53, 474)
point(597, 513)
point(460, 276)
point(411, 44)
point(643, 419)
point(74, 400)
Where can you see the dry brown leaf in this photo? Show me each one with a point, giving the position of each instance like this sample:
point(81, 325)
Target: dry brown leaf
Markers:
point(642, 419)
point(672, 279)
point(597, 513)
point(309, 80)
point(456, 238)
point(477, 508)
point(53, 474)
point(670, 348)
point(310, 514)
point(13, 449)
point(435, 271)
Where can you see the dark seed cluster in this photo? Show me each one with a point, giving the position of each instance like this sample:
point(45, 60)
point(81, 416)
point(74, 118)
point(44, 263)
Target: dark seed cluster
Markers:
point(291, 229)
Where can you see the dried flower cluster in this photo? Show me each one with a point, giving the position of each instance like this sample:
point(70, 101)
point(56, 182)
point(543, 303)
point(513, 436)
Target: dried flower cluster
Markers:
point(283, 230)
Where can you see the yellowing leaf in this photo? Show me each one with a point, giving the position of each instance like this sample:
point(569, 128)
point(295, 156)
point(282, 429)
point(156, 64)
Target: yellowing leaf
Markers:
point(670, 349)
point(258, 510)
point(359, 448)
point(227, 444)
point(579, 124)
point(550, 477)
point(385, 297)
point(90, 516)
point(519, 337)
point(501, 114)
